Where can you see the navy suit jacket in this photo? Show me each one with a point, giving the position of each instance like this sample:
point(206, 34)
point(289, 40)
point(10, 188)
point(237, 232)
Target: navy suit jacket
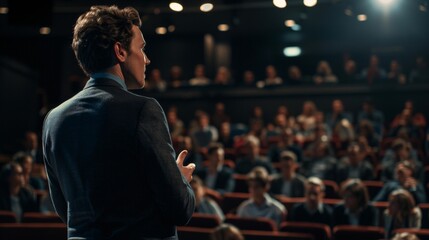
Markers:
point(368, 216)
point(111, 166)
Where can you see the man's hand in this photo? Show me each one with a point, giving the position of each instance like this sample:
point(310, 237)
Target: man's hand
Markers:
point(186, 170)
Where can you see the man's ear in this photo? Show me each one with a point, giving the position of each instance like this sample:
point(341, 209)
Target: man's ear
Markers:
point(120, 52)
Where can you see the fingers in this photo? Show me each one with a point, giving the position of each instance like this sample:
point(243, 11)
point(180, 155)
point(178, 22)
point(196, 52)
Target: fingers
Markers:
point(191, 166)
point(181, 157)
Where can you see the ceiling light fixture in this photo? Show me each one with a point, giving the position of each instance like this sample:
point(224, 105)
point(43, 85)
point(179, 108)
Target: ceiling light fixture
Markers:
point(206, 7)
point(176, 6)
point(280, 3)
point(310, 3)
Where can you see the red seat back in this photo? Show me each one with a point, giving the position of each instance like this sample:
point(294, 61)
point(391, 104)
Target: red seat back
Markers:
point(319, 231)
point(245, 223)
point(346, 232)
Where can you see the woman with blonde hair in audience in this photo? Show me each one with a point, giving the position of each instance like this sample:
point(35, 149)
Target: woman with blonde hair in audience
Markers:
point(402, 212)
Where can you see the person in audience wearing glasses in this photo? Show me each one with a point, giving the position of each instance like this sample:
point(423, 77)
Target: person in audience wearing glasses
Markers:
point(260, 203)
point(202, 203)
point(13, 194)
point(313, 209)
point(288, 182)
point(403, 180)
point(402, 212)
point(353, 165)
point(355, 209)
point(215, 175)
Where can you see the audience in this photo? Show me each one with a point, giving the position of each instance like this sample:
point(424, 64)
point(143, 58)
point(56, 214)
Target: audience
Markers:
point(402, 212)
point(288, 182)
point(227, 232)
point(355, 209)
point(215, 174)
point(14, 196)
point(313, 209)
point(324, 74)
point(260, 203)
point(353, 165)
point(373, 73)
point(271, 76)
point(252, 157)
point(26, 163)
point(199, 78)
point(202, 203)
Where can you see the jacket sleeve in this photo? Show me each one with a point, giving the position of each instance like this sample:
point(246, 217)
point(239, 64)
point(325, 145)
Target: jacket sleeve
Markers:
point(170, 189)
point(56, 194)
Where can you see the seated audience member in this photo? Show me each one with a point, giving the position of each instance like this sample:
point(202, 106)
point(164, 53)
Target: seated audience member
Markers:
point(295, 76)
point(260, 203)
point(13, 195)
point(370, 113)
point(271, 76)
point(226, 137)
point(227, 232)
point(353, 165)
point(286, 142)
point(288, 182)
point(324, 74)
point(31, 147)
point(395, 74)
point(202, 203)
point(366, 129)
point(223, 76)
point(343, 134)
point(405, 236)
point(307, 119)
point(156, 82)
point(338, 114)
point(252, 157)
point(402, 212)
point(409, 118)
point(355, 209)
point(350, 74)
point(420, 73)
point(26, 163)
point(200, 78)
point(400, 151)
point(219, 116)
point(320, 163)
point(404, 180)
point(248, 79)
point(205, 133)
point(373, 73)
point(216, 175)
point(175, 124)
point(313, 209)
point(176, 80)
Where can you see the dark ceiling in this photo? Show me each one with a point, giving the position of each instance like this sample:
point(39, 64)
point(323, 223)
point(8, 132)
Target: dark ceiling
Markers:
point(246, 17)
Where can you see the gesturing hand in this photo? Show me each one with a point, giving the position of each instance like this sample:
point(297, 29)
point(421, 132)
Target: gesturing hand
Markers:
point(186, 170)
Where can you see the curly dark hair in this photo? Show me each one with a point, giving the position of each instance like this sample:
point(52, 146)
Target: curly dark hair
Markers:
point(96, 32)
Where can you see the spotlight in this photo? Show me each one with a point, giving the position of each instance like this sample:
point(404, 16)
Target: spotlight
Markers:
point(310, 3)
point(175, 6)
point(386, 2)
point(161, 30)
point(361, 17)
point(289, 23)
point(45, 30)
point(280, 3)
point(206, 7)
point(292, 51)
point(223, 27)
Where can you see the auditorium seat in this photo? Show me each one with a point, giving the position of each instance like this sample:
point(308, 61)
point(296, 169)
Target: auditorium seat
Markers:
point(232, 200)
point(265, 235)
point(422, 234)
point(246, 223)
point(348, 232)
point(204, 220)
point(240, 183)
point(215, 195)
point(194, 233)
point(318, 230)
point(373, 187)
point(36, 217)
point(7, 217)
point(381, 206)
point(36, 231)
point(425, 214)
